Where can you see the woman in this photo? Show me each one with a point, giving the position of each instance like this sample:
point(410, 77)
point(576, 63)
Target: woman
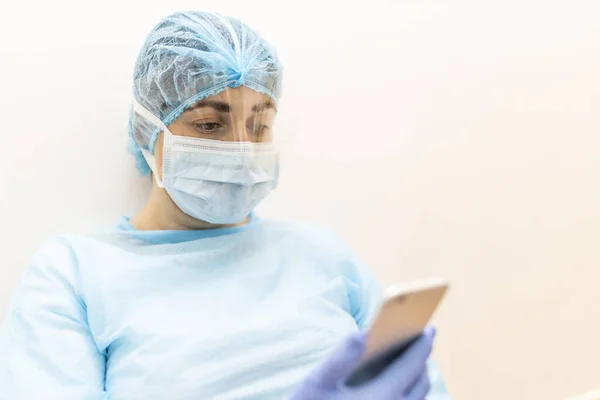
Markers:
point(195, 297)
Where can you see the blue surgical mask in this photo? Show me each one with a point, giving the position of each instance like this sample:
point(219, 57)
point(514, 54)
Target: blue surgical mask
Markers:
point(215, 181)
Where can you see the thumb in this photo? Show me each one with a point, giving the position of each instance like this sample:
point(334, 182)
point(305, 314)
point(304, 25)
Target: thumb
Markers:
point(340, 363)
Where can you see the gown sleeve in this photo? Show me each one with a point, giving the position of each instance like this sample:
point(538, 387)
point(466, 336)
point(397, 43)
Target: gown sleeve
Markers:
point(46, 347)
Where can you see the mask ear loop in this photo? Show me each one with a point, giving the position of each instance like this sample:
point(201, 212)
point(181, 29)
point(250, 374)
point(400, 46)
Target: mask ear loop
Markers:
point(151, 162)
point(150, 159)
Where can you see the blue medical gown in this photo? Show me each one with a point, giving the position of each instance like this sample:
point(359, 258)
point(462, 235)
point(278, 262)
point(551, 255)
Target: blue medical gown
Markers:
point(233, 313)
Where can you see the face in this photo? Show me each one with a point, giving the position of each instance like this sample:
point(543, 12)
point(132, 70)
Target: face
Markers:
point(234, 115)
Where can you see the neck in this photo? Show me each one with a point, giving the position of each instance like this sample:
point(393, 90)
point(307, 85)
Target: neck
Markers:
point(161, 213)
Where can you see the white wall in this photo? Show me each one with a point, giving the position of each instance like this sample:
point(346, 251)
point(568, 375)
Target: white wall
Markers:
point(439, 138)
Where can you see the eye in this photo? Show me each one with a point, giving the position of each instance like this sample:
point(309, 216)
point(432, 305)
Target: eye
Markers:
point(208, 127)
point(259, 128)
point(263, 128)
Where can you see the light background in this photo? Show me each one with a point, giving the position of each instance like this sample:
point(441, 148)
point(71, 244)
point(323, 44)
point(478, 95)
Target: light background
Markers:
point(458, 139)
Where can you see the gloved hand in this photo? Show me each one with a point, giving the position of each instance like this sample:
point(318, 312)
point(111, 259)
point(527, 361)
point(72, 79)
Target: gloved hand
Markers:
point(405, 379)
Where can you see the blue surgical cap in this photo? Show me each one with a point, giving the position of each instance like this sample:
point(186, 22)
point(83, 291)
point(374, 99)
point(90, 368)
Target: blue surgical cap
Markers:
point(189, 56)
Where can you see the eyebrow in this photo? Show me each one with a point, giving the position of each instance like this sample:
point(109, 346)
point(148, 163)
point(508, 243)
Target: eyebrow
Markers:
point(218, 106)
point(264, 106)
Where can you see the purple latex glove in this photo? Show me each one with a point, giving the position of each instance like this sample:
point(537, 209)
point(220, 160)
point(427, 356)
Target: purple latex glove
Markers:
point(405, 379)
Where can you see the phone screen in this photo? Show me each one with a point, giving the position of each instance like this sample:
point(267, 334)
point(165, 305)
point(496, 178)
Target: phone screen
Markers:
point(374, 366)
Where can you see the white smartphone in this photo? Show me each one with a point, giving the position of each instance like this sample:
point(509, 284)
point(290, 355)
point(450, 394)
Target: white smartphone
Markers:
point(403, 315)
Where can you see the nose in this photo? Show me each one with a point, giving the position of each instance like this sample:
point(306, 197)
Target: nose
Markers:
point(240, 132)
point(243, 135)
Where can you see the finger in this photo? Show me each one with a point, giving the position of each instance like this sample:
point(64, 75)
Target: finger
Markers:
point(420, 389)
point(416, 379)
point(340, 363)
point(399, 376)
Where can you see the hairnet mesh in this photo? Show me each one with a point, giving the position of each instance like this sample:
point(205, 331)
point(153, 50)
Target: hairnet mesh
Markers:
point(189, 56)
